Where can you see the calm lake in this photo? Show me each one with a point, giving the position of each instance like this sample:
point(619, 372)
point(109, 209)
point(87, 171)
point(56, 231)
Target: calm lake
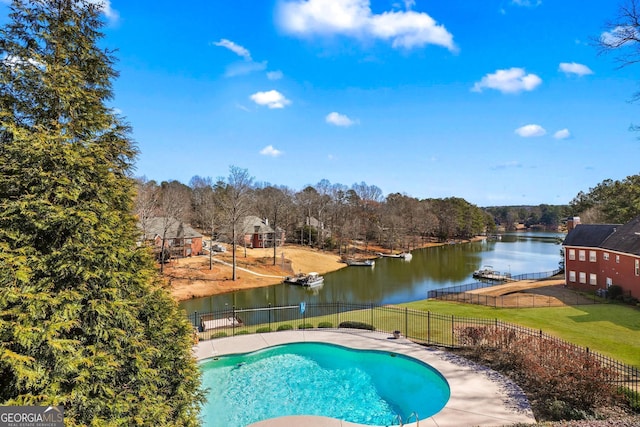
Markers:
point(394, 281)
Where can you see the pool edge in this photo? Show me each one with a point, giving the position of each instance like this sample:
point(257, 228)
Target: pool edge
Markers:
point(479, 396)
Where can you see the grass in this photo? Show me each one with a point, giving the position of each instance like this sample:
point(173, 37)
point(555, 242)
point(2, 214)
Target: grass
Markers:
point(609, 329)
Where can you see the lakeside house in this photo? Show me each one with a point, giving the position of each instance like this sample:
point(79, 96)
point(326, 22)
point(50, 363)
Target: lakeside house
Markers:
point(259, 234)
point(180, 240)
point(597, 256)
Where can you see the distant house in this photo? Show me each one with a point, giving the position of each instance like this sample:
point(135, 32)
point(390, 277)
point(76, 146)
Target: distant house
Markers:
point(180, 240)
point(597, 256)
point(259, 234)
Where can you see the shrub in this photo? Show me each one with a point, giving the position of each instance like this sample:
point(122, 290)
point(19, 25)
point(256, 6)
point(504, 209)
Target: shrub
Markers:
point(356, 325)
point(567, 381)
point(263, 329)
point(322, 325)
point(242, 332)
point(285, 327)
point(614, 291)
point(305, 326)
point(219, 335)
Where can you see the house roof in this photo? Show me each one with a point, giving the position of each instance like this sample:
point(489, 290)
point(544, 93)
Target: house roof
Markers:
point(589, 235)
point(250, 223)
point(155, 227)
point(626, 238)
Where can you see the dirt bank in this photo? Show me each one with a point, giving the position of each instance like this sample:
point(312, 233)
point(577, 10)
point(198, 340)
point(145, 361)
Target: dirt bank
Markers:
point(191, 277)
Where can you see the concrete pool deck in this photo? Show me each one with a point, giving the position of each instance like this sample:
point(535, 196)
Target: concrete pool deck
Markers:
point(479, 396)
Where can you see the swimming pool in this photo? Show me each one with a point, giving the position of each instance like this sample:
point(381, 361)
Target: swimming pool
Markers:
point(360, 386)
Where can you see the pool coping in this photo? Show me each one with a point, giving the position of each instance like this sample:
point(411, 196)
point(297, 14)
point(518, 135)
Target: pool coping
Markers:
point(479, 396)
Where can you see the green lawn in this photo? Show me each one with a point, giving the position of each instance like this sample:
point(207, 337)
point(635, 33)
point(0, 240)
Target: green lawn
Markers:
point(609, 329)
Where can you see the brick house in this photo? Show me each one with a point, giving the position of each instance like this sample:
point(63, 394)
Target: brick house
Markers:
point(597, 256)
point(259, 234)
point(180, 239)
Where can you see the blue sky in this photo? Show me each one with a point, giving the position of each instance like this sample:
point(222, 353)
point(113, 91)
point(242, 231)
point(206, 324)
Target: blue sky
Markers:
point(500, 102)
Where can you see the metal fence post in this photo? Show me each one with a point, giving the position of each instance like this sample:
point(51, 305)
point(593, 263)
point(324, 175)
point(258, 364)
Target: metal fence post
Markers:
point(270, 309)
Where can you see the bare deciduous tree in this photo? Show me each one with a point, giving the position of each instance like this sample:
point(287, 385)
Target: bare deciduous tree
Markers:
point(234, 200)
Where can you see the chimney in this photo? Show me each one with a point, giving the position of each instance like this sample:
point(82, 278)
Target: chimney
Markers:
point(572, 223)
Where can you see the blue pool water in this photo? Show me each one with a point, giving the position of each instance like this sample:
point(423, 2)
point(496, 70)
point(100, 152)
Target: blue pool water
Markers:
point(366, 387)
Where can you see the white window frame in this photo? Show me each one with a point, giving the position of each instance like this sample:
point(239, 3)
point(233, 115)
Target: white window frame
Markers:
point(583, 277)
point(593, 279)
point(605, 256)
point(593, 256)
point(637, 267)
point(582, 255)
point(609, 282)
point(617, 259)
point(572, 254)
point(572, 276)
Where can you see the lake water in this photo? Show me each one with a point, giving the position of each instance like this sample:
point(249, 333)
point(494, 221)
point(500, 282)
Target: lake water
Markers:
point(394, 281)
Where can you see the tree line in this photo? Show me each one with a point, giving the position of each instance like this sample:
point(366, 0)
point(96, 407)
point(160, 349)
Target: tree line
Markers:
point(325, 215)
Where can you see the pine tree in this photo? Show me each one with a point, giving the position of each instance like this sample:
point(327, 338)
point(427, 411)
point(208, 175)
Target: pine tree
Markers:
point(84, 322)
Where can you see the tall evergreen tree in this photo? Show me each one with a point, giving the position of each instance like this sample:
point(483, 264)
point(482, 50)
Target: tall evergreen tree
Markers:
point(84, 322)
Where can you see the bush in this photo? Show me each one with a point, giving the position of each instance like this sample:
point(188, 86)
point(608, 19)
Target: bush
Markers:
point(219, 335)
point(568, 382)
point(285, 328)
point(322, 325)
point(242, 332)
point(263, 330)
point(305, 326)
point(356, 325)
point(614, 291)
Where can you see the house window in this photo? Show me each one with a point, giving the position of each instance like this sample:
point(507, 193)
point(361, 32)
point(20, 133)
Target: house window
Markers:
point(572, 276)
point(609, 282)
point(582, 256)
point(618, 259)
point(188, 242)
point(637, 267)
point(572, 254)
point(605, 256)
point(593, 279)
point(583, 277)
point(593, 256)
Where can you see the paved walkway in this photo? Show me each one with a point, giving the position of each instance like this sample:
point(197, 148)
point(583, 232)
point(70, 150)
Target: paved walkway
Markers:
point(479, 397)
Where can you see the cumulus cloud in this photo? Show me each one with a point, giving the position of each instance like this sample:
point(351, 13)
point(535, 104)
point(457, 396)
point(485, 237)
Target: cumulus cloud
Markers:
point(272, 99)
point(270, 151)
point(354, 18)
point(562, 134)
point(338, 119)
point(274, 75)
point(529, 131)
point(574, 68)
point(513, 80)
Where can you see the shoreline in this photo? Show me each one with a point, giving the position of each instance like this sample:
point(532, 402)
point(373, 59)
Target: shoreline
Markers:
point(190, 278)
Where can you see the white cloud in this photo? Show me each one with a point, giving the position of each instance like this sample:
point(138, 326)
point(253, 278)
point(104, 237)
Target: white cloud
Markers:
point(105, 5)
point(244, 67)
point(338, 119)
point(404, 29)
point(562, 134)
point(270, 151)
point(272, 99)
point(574, 68)
point(235, 48)
point(274, 75)
point(529, 131)
point(513, 80)
point(619, 36)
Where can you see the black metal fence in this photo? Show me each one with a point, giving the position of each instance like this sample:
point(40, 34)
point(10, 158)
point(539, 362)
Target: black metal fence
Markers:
point(521, 299)
point(419, 326)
